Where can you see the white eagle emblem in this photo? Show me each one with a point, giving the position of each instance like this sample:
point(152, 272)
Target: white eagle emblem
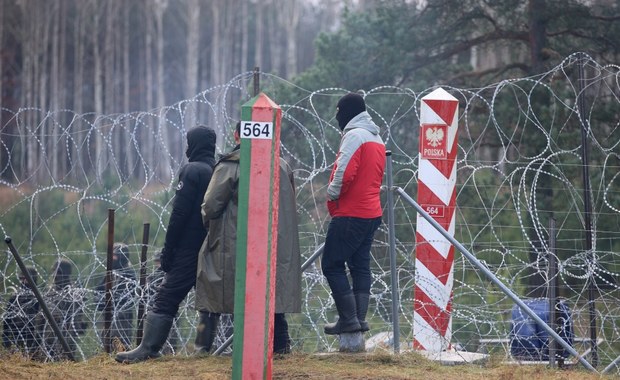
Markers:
point(434, 136)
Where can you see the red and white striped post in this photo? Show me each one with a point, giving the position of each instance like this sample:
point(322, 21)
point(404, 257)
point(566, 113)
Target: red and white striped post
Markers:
point(257, 222)
point(434, 257)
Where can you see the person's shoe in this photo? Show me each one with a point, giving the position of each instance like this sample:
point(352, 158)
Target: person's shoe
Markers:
point(347, 315)
point(156, 329)
point(205, 333)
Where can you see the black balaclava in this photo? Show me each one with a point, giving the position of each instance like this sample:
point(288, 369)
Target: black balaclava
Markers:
point(62, 273)
point(200, 143)
point(349, 106)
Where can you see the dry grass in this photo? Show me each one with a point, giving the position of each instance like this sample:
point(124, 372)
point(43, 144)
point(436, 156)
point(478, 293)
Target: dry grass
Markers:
point(296, 366)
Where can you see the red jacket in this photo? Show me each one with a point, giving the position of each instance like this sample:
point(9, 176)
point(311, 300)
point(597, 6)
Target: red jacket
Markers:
point(355, 182)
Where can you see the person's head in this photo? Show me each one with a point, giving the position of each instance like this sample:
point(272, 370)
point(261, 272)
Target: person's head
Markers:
point(120, 256)
point(237, 133)
point(200, 143)
point(349, 106)
point(33, 274)
point(62, 273)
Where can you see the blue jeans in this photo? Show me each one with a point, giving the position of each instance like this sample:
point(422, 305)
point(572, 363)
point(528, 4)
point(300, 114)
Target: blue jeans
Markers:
point(348, 241)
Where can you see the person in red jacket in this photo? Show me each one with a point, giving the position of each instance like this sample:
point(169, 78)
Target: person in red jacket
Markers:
point(355, 207)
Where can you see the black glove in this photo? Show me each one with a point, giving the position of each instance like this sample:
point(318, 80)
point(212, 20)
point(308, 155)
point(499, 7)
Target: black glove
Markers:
point(166, 259)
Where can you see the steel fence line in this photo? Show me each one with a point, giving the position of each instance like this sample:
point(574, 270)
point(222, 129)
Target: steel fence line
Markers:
point(611, 365)
point(311, 259)
point(587, 204)
point(472, 259)
point(553, 270)
point(392, 244)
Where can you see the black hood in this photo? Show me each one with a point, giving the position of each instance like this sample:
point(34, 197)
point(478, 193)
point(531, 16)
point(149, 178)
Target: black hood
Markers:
point(200, 144)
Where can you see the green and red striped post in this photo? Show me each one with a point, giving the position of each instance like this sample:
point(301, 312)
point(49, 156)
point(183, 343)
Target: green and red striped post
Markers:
point(257, 223)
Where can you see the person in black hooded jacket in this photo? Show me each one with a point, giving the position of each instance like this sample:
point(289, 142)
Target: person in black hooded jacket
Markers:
point(184, 237)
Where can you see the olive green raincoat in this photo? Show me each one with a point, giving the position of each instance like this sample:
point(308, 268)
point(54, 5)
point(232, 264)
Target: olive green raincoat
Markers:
point(215, 282)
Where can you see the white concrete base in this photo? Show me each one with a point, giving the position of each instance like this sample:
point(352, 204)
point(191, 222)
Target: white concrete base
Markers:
point(384, 341)
point(452, 357)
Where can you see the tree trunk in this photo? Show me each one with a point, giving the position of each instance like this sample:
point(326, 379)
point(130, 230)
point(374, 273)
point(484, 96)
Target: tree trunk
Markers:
point(3, 158)
point(274, 46)
point(41, 75)
point(98, 94)
point(216, 37)
point(258, 36)
point(160, 8)
point(28, 148)
point(79, 34)
point(1, 61)
point(164, 157)
point(56, 155)
point(544, 196)
point(129, 153)
point(79, 61)
point(193, 48)
point(537, 30)
point(193, 22)
point(290, 12)
point(61, 153)
point(244, 37)
point(112, 94)
point(148, 147)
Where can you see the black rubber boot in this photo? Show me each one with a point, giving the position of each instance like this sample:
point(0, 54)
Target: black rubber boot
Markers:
point(347, 315)
point(156, 329)
point(361, 302)
point(206, 332)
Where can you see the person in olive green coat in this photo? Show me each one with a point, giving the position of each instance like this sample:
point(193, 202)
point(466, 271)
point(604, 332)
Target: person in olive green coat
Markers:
point(215, 283)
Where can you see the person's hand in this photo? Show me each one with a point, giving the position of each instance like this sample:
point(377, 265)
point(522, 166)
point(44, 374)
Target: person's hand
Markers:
point(166, 260)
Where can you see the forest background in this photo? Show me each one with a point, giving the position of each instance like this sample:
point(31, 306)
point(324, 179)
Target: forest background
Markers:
point(95, 58)
point(107, 58)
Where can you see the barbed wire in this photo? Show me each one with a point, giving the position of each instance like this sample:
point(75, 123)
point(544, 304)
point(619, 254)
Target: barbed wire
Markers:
point(519, 165)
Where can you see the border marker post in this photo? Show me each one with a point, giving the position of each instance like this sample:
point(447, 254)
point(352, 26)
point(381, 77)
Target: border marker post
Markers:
point(257, 223)
point(434, 257)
